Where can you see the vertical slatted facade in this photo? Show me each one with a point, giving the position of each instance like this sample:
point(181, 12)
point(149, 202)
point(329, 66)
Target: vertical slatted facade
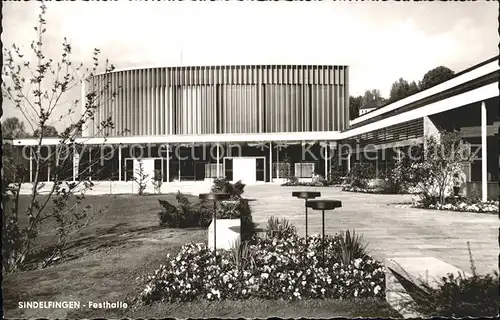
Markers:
point(224, 99)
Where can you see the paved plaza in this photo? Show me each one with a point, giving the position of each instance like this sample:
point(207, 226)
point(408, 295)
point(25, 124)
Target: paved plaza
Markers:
point(390, 231)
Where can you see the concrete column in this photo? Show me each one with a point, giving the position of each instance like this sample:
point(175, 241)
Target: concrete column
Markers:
point(179, 169)
point(90, 164)
point(85, 126)
point(278, 166)
point(31, 164)
point(218, 161)
point(270, 161)
point(168, 163)
point(484, 153)
point(349, 162)
point(119, 163)
point(76, 160)
point(326, 160)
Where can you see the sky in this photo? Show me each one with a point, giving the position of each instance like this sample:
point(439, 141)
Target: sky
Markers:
point(380, 41)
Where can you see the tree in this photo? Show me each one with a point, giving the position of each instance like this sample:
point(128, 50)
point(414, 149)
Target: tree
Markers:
point(48, 132)
point(354, 105)
point(413, 88)
point(373, 95)
point(13, 128)
point(36, 91)
point(436, 76)
point(399, 90)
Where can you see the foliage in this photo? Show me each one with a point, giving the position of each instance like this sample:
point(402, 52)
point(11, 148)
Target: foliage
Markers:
point(351, 246)
point(13, 128)
point(239, 208)
point(373, 95)
point(359, 175)
point(354, 105)
point(337, 174)
point(243, 257)
point(436, 76)
point(185, 214)
point(157, 181)
point(435, 164)
point(48, 132)
point(458, 296)
point(288, 268)
point(398, 179)
point(285, 168)
point(402, 89)
point(225, 186)
point(248, 227)
point(141, 178)
point(458, 204)
point(279, 228)
point(316, 181)
point(37, 92)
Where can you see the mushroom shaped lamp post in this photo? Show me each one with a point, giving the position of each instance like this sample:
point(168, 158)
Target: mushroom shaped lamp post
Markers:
point(306, 195)
point(323, 205)
point(215, 197)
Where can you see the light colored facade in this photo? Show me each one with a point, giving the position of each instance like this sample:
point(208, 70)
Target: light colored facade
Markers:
point(262, 118)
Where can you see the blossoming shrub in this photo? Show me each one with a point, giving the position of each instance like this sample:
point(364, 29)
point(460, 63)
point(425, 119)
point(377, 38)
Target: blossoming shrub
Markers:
point(287, 268)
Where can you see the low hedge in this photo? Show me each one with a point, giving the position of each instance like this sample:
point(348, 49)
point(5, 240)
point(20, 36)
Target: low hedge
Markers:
point(187, 214)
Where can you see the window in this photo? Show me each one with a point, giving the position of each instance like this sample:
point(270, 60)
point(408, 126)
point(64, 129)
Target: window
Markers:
point(304, 170)
point(211, 170)
point(260, 167)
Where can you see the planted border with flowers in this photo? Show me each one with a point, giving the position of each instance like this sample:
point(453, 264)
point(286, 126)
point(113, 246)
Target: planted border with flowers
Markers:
point(463, 206)
point(287, 268)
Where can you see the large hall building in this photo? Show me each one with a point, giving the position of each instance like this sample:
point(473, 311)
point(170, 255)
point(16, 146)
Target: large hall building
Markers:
point(262, 123)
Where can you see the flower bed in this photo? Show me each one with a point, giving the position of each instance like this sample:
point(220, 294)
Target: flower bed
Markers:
point(462, 205)
point(275, 268)
point(362, 190)
point(376, 190)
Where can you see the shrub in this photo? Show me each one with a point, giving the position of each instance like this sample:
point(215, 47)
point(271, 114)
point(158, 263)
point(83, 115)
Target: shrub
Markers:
point(248, 227)
point(185, 214)
point(317, 181)
point(157, 181)
point(287, 268)
point(242, 256)
point(279, 228)
point(397, 179)
point(351, 247)
point(141, 179)
point(236, 208)
point(359, 175)
point(169, 215)
point(460, 297)
point(336, 175)
point(235, 190)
